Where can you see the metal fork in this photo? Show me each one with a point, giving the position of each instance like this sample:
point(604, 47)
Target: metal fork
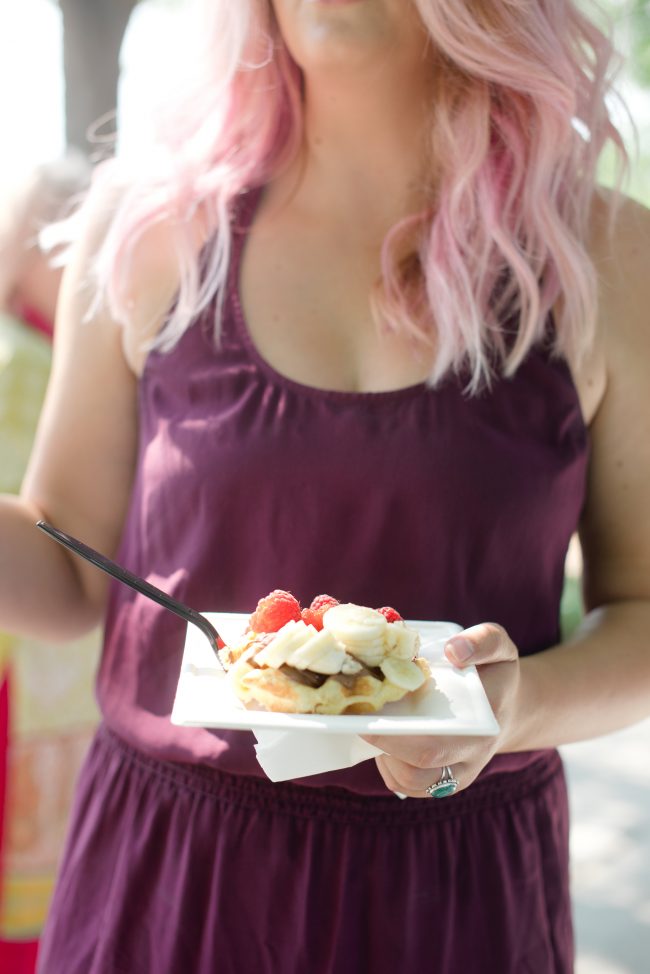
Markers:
point(135, 582)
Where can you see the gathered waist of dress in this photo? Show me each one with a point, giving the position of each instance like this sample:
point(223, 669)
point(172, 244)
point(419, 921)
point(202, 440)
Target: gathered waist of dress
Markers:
point(333, 796)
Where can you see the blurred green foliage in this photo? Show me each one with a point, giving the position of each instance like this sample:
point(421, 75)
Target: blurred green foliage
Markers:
point(640, 41)
point(571, 607)
point(629, 22)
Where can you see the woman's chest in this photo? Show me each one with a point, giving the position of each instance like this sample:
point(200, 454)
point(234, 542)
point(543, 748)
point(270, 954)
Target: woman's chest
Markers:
point(307, 297)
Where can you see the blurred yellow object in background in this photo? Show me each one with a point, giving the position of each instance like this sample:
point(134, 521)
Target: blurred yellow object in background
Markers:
point(52, 714)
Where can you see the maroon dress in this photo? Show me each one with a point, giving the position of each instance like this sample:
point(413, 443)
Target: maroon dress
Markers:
point(182, 857)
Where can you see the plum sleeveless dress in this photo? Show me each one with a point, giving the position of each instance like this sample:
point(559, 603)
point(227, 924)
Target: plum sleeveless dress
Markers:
point(182, 857)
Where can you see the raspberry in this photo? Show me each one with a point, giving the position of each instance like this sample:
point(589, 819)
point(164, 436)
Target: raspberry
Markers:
point(274, 611)
point(314, 614)
point(390, 614)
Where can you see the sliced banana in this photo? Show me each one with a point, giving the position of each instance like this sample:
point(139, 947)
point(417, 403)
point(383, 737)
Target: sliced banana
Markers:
point(321, 653)
point(360, 629)
point(357, 621)
point(403, 673)
point(329, 663)
point(401, 641)
point(289, 638)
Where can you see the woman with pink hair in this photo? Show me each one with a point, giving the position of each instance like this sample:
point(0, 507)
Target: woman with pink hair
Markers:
point(360, 323)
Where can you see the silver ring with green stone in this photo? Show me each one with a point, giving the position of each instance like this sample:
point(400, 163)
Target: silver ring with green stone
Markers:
point(445, 785)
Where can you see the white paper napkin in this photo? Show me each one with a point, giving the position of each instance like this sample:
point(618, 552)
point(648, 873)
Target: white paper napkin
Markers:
point(296, 754)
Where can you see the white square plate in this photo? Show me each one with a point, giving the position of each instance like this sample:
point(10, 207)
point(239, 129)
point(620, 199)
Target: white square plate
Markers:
point(454, 702)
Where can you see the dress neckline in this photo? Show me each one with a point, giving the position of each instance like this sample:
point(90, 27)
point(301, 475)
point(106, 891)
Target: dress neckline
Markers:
point(242, 225)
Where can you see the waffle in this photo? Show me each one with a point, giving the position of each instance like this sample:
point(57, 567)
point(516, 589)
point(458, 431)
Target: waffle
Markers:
point(281, 690)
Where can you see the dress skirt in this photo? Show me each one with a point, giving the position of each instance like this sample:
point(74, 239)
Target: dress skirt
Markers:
point(180, 869)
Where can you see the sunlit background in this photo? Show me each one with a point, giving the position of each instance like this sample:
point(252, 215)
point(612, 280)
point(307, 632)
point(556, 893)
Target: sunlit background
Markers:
point(609, 778)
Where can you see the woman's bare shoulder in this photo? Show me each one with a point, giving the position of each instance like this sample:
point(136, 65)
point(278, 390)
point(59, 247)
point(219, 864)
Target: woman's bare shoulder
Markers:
point(149, 276)
point(619, 245)
point(621, 255)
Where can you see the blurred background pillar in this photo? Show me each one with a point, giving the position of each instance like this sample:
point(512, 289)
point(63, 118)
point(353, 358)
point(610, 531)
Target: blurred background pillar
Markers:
point(93, 31)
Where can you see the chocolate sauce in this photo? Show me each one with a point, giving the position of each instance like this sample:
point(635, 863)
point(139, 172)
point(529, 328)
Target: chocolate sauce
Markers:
point(306, 677)
point(310, 679)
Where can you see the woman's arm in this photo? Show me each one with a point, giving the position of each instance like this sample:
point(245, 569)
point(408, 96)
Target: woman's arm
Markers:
point(81, 470)
point(599, 680)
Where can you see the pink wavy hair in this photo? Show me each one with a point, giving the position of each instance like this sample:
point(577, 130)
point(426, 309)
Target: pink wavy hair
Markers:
point(520, 123)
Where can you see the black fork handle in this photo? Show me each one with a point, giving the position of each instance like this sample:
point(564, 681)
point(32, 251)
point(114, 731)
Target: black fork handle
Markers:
point(135, 582)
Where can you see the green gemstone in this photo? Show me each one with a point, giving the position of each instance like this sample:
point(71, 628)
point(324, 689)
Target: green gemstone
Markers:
point(441, 791)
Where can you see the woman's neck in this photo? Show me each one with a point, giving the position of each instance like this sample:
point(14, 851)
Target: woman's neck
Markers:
point(367, 144)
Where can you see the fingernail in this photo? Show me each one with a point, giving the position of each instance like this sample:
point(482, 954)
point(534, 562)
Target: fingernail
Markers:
point(461, 649)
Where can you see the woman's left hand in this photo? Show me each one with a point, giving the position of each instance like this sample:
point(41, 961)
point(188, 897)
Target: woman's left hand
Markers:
point(410, 765)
